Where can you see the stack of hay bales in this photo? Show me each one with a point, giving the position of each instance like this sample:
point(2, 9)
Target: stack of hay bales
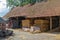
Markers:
point(26, 25)
point(39, 25)
point(43, 24)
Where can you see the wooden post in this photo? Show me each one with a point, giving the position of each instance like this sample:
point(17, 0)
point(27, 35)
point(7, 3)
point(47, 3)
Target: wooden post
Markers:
point(59, 21)
point(17, 21)
point(32, 21)
point(50, 23)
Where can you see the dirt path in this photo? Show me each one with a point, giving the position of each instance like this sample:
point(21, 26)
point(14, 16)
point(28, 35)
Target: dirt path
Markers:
point(20, 35)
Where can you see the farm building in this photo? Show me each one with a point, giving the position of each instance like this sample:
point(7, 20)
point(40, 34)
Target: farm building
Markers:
point(44, 14)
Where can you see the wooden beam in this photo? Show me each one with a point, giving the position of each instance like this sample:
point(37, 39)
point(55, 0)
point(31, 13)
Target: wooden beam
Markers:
point(17, 21)
point(59, 21)
point(50, 23)
point(32, 21)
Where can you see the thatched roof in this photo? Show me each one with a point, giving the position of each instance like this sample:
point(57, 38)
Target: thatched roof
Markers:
point(43, 9)
point(17, 11)
point(49, 8)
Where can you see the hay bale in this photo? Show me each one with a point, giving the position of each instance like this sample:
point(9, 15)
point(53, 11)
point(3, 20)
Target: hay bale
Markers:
point(43, 24)
point(26, 23)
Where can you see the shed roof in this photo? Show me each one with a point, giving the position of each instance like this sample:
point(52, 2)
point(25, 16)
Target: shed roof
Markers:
point(49, 8)
point(43, 9)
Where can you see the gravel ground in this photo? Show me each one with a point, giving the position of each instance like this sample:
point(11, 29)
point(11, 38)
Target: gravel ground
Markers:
point(21, 35)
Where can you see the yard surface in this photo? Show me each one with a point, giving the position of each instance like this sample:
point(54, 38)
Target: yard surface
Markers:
point(21, 35)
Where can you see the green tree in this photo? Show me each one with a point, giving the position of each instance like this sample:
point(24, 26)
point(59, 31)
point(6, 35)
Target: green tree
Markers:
point(15, 3)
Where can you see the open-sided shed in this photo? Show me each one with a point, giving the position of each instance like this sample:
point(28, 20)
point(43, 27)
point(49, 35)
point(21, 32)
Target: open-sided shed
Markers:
point(49, 10)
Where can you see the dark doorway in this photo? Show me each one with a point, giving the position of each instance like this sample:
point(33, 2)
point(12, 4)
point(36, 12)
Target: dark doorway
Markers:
point(20, 21)
point(55, 22)
point(13, 22)
point(17, 21)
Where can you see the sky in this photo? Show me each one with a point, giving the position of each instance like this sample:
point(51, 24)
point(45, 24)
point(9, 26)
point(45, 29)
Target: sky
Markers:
point(3, 8)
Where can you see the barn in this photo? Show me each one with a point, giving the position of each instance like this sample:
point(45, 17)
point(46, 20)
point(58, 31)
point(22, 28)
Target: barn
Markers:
point(44, 14)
